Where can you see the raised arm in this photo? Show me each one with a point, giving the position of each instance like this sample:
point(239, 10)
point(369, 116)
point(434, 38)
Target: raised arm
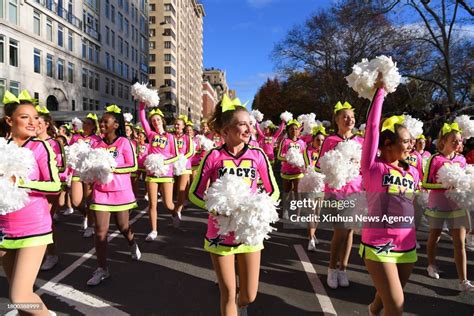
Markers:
point(279, 130)
point(372, 131)
point(259, 130)
point(144, 120)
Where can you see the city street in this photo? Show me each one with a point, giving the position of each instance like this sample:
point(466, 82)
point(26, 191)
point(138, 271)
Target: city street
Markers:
point(175, 277)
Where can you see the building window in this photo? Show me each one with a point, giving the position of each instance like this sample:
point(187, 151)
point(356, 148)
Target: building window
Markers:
point(152, 7)
point(84, 49)
point(96, 81)
point(3, 86)
point(49, 65)
point(151, 57)
point(120, 90)
point(107, 85)
point(170, 70)
point(152, 20)
point(15, 87)
point(126, 49)
point(1, 17)
point(151, 70)
point(107, 61)
point(152, 83)
point(107, 8)
point(70, 41)
point(60, 66)
point(120, 21)
point(152, 32)
point(36, 22)
point(125, 71)
point(60, 36)
point(73, 104)
point(2, 49)
point(91, 55)
point(126, 27)
point(112, 87)
point(112, 66)
point(13, 53)
point(37, 61)
point(107, 35)
point(97, 105)
point(167, 44)
point(13, 11)
point(120, 41)
point(49, 30)
point(169, 7)
point(85, 104)
point(169, 32)
point(84, 78)
point(112, 37)
point(126, 6)
point(91, 80)
point(120, 68)
point(152, 45)
point(112, 13)
point(70, 72)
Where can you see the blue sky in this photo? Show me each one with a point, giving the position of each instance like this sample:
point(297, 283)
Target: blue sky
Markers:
point(239, 36)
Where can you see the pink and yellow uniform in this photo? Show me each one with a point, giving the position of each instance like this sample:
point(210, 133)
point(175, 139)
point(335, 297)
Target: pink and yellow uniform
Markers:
point(425, 155)
point(58, 150)
point(142, 153)
point(390, 190)
point(355, 185)
point(252, 165)
point(311, 155)
point(91, 140)
point(198, 155)
point(163, 144)
point(31, 225)
point(117, 195)
point(439, 205)
point(267, 143)
point(416, 161)
point(253, 142)
point(216, 138)
point(186, 148)
point(288, 171)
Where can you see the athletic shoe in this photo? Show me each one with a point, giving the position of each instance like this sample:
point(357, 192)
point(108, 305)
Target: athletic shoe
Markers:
point(433, 271)
point(285, 215)
point(146, 197)
point(49, 262)
point(176, 218)
point(466, 286)
point(68, 211)
point(311, 245)
point(470, 242)
point(342, 279)
point(332, 278)
point(88, 232)
point(84, 223)
point(98, 276)
point(152, 235)
point(418, 246)
point(135, 252)
point(316, 240)
point(51, 313)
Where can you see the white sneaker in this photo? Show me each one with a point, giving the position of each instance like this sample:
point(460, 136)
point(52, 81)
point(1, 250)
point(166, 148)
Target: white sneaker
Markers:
point(49, 262)
point(55, 217)
point(146, 197)
point(84, 223)
point(51, 313)
point(470, 242)
point(311, 245)
point(88, 232)
point(98, 276)
point(285, 215)
point(332, 278)
point(342, 279)
point(135, 252)
point(466, 286)
point(316, 240)
point(68, 211)
point(176, 218)
point(152, 235)
point(433, 271)
point(418, 246)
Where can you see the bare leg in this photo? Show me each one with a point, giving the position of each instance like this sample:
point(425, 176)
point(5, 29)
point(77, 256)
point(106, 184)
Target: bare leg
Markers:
point(152, 189)
point(459, 242)
point(183, 181)
point(431, 246)
point(102, 221)
point(225, 271)
point(249, 268)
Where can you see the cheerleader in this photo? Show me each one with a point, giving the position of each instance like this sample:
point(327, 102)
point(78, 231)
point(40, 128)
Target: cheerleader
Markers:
point(131, 135)
point(267, 139)
point(233, 123)
point(142, 152)
point(388, 249)
point(65, 177)
point(164, 143)
point(311, 155)
point(81, 192)
point(27, 231)
point(185, 148)
point(420, 146)
point(116, 196)
point(341, 242)
point(289, 173)
point(443, 210)
point(45, 132)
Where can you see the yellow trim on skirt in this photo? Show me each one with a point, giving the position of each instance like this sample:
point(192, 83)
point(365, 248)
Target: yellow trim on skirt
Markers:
point(291, 176)
point(27, 242)
point(445, 214)
point(159, 180)
point(370, 253)
point(228, 250)
point(113, 208)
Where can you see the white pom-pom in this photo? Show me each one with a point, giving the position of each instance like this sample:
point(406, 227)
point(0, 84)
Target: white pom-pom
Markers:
point(364, 75)
point(155, 164)
point(413, 125)
point(239, 210)
point(15, 161)
point(362, 127)
point(257, 115)
point(97, 166)
point(341, 165)
point(460, 184)
point(148, 96)
point(128, 117)
point(294, 157)
point(308, 121)
point(326, 124)
point(180, 165)
point(13, 198)
point(253, 121)
point(76, 153)
point(205, 143)
point(77, 123)
point(466, 125)
point(266, 124)
point(312, 182)
point(286, 116)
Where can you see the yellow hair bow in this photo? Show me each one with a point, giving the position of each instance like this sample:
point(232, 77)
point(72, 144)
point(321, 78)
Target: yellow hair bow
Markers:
point(93, 116)
point(449, 128)
point(183, 117)
point(422, 137)
point(318, 129)
point(189, 123)
point(293, 122)
point(113, 108)
point(391, 121)
point(9, 97)
point(339, 106)
point(155, 111)
point(229, 105)
point(42, 109)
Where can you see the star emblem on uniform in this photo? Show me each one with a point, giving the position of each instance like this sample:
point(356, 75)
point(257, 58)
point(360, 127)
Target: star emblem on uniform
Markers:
point(385, 248)
point(215, 241)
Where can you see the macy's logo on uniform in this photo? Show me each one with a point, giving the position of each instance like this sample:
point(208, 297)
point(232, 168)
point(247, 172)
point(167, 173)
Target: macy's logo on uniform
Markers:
point(397, 182)
point(244, 169)
point(159, 141)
